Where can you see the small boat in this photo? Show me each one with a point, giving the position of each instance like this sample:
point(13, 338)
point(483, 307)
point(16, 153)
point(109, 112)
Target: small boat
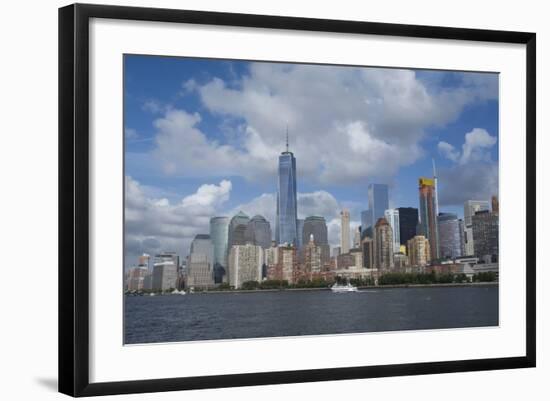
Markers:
point(343, 288)
point(176, 292)
point(152, 294)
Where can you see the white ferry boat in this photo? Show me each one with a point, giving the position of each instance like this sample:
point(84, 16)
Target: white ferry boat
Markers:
point(343, 288)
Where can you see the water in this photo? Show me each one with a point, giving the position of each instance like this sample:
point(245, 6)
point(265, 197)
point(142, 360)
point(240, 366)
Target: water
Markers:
point(292, 313)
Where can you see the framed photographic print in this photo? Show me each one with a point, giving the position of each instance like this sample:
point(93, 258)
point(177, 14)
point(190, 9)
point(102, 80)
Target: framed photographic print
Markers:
point(251, 199)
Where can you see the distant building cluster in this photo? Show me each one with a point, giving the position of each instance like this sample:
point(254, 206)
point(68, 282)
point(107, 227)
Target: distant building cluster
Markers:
point(244, 249)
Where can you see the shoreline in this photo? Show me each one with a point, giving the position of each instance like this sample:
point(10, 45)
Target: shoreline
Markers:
point(365, 288)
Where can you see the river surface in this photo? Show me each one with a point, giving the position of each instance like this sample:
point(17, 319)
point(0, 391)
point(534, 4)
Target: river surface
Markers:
point(226, 315)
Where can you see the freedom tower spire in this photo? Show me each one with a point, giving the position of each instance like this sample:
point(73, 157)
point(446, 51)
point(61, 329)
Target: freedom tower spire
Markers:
point(286, 230)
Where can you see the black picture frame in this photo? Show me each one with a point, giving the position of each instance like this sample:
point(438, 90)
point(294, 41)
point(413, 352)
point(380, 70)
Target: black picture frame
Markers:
point(74, 198)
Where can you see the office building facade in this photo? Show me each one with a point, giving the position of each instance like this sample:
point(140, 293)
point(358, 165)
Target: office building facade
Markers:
point(428, 226)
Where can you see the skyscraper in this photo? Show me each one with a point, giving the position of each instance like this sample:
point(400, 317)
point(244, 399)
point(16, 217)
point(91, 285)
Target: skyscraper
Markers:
point(286, 230)
point(470, 208)
point(236, 230)
point(392, 216)
point(418, 251)
point(494, 204)
point(312, 258)
point(345, 231)
point(200, 272)
point(383, 244)
point(450, 236)
point(300, 230)
point(485, 234)
point(366, 223)
point(245, 264)
point(258, 232)
point(408, 220)
point(428, 218)
point(317, 226)
point(378, 201)
point(218, 235)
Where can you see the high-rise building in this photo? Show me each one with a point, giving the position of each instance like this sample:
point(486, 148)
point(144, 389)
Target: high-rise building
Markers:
point(143, 261)
point(312, 258)
point(236, 232)
point(392, 216)
point(286, 230)
point(136, 278)
point(378, 195)
point(300, 231)
point(344, 231)
point(408, 220)
point(366, 223)
point(428, 217)
point(485, 233)
point(219, 227)
point(450, 236)
point(470, 208)
point(357, 237)
point(287, 263)
point(418, 251)
point(317, 226)
point(199, 266)
point(165, 271)
point(258, 232)
point(383, 244)
point(368, 252)
point(245, 264)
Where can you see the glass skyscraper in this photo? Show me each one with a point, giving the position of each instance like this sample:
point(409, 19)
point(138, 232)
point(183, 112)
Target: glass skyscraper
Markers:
point(428, 218)
point(378, 203)
point(408, 220)
point(287, 210)
point(258, 232)
point(218, 235)
point(450, 236)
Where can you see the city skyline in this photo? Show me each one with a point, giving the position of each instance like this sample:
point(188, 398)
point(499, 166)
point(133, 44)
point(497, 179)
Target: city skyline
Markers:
point(167, 192)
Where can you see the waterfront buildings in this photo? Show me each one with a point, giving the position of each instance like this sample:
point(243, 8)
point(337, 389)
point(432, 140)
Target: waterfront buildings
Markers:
point(312, 259)
point(286, 228)
point(418, 251)
point(383, 244)
point(494, 204)
point(428, 218)
point(344, 231)
point(408, 220)
point(392, 217)
point(485, 234)
point(258, 232)
point(136, 278)
point(165, 273)
point(470, 208)
point(367, 248)
point(219, 227)
point(317, 226)
point(200, 269)
point(245, 264)
point(451, 244)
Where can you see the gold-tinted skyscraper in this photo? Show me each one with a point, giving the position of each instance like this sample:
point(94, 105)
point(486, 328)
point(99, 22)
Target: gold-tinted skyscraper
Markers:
point(428, 214)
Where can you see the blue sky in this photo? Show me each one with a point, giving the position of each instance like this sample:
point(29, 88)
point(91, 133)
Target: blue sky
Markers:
point(202, 139)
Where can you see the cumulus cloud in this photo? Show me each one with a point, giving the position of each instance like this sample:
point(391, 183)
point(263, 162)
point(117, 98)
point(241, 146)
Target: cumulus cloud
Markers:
point(474, 175)
point(155, 224)
point(476, 147)
point(374, 132)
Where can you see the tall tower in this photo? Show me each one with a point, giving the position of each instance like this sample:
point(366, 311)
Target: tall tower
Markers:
point(286, 226)
point(428, 217)
point(344, 236)
point(436, 197)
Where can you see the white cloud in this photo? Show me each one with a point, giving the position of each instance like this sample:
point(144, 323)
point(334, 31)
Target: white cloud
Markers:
point(155, 224)
point(474, 175)
point(476, 147)
point(346, 124)
point(447, 150)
